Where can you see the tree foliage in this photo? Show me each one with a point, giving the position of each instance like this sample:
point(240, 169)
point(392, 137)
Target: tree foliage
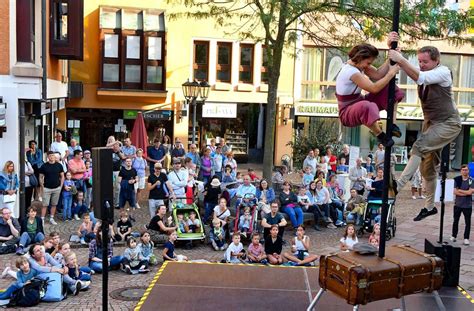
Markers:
point(322, 133)
point(336, 23)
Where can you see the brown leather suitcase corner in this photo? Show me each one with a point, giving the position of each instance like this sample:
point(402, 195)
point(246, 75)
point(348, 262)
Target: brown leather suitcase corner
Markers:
point(360, 279)
point(419, 271)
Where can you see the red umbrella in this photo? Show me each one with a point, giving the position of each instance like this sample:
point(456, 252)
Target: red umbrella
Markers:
point(139, 135)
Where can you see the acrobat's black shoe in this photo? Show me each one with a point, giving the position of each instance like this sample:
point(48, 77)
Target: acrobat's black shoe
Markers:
point(383, 139)
point(425, 213)
point(396, 131)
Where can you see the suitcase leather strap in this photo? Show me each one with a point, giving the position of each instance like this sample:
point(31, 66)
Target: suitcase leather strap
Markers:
point(430, 257)
point(401, 282)
point(366, 287)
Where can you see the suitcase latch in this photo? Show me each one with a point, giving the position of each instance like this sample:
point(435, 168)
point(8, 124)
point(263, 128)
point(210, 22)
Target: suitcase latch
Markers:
point(362, 283)
point(437, 271)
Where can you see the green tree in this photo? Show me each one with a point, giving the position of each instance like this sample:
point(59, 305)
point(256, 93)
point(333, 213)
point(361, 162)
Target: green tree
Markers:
point(339, 23)
point(322, 133)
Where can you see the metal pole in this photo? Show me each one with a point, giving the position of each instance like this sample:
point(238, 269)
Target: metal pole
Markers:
point(388, 150)
point(194, 120)
point(21, 110)
point(105, 257)
point(444, 170)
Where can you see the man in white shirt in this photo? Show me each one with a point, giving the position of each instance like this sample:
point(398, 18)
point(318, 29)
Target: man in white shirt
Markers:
point(178, 178)
point(61, 149)
point(245, 188)
point(357, 175)
point(442, 122)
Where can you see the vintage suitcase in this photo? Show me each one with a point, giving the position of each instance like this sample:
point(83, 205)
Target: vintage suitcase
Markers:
point(361, 279)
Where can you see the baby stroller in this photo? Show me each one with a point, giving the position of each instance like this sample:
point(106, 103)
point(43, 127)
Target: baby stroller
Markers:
point(372, 215)
point(249, 200)
point(181, 211)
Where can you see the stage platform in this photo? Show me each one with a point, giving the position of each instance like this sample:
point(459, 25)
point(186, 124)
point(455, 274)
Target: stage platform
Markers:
point(213, 286)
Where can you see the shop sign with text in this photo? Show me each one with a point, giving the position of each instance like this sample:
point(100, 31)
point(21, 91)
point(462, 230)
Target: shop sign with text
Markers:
point(228, 111)
point(316, 109)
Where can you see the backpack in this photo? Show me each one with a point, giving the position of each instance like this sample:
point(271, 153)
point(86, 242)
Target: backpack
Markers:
point(29, 295)
point(7, 249)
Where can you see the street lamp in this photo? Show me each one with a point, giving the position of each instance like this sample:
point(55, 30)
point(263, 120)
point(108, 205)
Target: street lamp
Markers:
point(191, 91)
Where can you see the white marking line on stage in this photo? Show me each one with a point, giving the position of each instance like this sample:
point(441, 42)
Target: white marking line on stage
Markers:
point(308, 287)
point(229, 287)
point(439, 302)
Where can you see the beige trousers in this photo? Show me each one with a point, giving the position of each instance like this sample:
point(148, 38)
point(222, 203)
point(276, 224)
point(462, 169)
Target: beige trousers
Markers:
point(426, 153)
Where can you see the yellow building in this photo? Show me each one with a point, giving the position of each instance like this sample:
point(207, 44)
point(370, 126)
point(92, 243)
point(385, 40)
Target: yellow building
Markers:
point(137, 58)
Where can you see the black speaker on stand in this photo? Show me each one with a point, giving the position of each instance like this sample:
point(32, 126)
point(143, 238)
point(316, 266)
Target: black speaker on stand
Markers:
point(450, 254)
point(102, 198)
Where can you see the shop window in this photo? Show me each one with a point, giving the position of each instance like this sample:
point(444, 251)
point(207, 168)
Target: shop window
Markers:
point(66, 29)
point(132, 49)
point(264, 67)
point(246, 63)
point(201, 60)
point(224, 62)
point(25, 31)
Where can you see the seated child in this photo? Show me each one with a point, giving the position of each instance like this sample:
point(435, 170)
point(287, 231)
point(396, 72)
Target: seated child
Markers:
point(218, 236)
point(194, 224)
point(55, 239)
point(23, 276)
point(300, 249)
point(182, 228)
point(253, 176)
point(133, 258)
point(79, 207)
point(168, 250)
point(308, 177)
point(255, 251)
point(146, 247)
point(373, 241)
point(244, 222)
point(375, 235)
point(124, 227)
point(273, 246)
point(75, 272)
point(64, 249)
point(235, 252)
point(342, 168)
point(303, 199)
point(86, 230)
point(349, 239)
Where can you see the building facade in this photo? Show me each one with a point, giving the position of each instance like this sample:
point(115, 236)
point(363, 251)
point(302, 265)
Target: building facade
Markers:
point(38, 38)
point(137, 58)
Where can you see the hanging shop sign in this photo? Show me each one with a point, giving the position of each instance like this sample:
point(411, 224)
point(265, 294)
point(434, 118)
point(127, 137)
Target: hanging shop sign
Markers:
point(158, 115)
point(228, 111)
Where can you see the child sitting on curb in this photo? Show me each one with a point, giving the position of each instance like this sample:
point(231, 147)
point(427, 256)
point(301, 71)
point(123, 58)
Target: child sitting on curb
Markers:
point(168, 250)
point(133, 258)
point(235, 252)
point(255, 251)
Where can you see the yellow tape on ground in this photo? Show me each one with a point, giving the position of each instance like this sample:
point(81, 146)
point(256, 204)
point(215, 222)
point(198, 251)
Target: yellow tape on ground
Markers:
point(150, 287)
point(465, 294)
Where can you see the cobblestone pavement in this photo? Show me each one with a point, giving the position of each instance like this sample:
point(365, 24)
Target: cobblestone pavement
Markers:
point(322, 243)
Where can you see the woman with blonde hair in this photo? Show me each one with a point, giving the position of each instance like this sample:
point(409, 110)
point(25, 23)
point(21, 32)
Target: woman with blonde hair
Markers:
point(8, 186)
